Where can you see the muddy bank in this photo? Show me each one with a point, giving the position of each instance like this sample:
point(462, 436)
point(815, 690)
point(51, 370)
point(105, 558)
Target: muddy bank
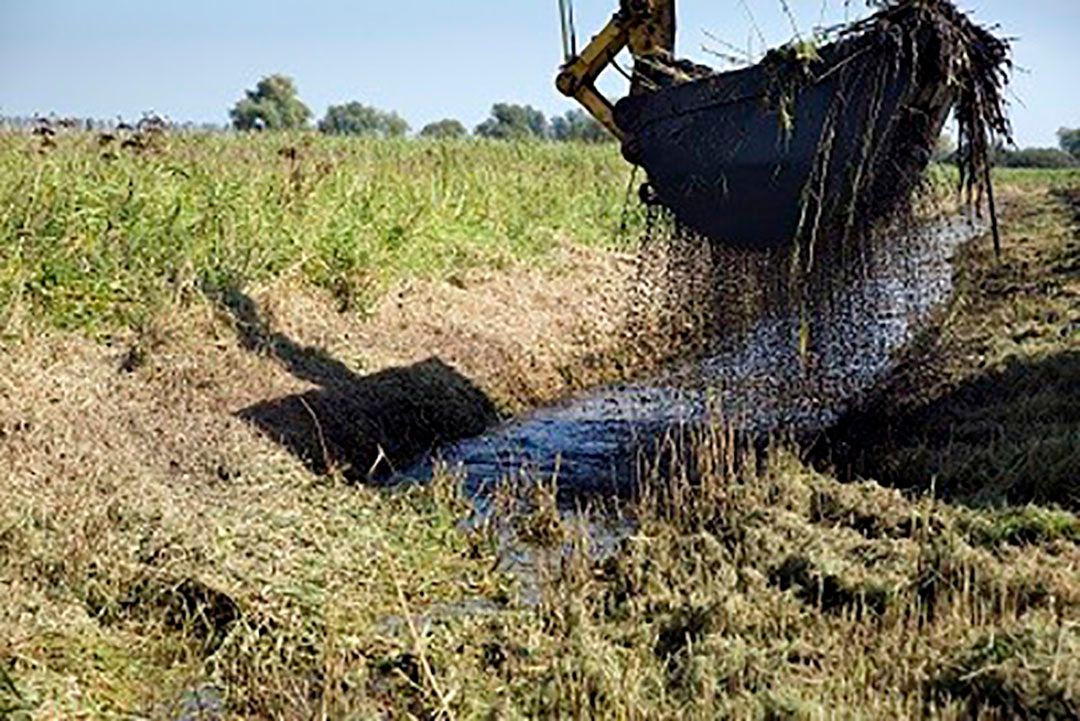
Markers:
point(277, 372)
point(983, 409)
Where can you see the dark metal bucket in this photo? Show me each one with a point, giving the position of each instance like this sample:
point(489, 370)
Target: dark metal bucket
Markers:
point(718, 155)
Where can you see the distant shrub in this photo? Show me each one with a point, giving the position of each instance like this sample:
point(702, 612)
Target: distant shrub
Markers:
point(515, 122)
point(358, 119)
point(273, 104)
point(1069, 138)
point(576, 126)
point(444, 129)
point(1047, 158)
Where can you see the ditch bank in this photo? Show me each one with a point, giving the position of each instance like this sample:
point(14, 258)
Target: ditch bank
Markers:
point(243, 378)
point(466, 369)
point(945, 369)
point(984, 407)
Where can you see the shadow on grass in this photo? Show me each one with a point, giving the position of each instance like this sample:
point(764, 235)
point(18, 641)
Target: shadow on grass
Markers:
point(1008, 436)
point(364, 426)
point(1069, 263)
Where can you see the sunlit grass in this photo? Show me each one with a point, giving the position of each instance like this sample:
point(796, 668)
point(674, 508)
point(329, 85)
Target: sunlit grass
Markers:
point(98, 237)
point(137, 578)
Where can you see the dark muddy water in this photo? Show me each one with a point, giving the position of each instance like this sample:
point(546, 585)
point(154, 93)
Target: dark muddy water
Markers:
point(759, 382)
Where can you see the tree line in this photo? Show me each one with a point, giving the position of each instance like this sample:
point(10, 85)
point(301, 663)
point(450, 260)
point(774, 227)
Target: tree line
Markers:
point(1066, 155)
point(274, 104)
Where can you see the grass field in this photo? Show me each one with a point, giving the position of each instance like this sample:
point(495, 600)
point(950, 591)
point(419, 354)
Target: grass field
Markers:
point(163, 557)
point(100, 237)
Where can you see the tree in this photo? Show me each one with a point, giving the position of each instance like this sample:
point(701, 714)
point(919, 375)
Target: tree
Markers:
point(444, 129)
point(273, 105)
point(1069, 139)
point(358, 119)
point(514, 122)
point(577, 126)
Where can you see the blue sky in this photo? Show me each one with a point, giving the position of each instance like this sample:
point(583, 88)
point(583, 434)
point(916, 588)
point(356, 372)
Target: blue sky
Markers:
point(426, 59)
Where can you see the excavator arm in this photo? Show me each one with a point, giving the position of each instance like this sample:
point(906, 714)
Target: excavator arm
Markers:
point(647, 29)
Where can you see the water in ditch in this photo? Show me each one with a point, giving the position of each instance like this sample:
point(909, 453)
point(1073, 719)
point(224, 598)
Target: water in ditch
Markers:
point(760, 381)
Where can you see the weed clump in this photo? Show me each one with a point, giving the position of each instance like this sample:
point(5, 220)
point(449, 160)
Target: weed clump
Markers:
point(942, 61)
point(1026, 673)
point(199, 611)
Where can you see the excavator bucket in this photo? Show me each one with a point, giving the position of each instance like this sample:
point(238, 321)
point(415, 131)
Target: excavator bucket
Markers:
point(731, 166)
point(812, 142)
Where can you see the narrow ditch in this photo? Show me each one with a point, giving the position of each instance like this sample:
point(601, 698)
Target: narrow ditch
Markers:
point(760, 382)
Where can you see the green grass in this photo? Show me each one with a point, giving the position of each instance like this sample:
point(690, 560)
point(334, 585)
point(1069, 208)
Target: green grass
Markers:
point(1029, 178)
point(96, 239)
point(180, 550)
